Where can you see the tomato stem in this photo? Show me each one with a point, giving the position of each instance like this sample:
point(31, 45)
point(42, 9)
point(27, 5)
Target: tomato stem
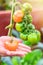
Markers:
point(11, 22)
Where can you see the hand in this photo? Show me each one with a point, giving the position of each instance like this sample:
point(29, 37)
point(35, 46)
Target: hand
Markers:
point(20, 51)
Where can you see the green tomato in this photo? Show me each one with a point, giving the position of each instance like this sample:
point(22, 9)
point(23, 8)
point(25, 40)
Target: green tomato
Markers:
point(25, 31)
point(29, 18)
point(31, 26)
point(19, 27)
point(27, 7)
point(23, 36)
point(32, 38)
point(38, 35)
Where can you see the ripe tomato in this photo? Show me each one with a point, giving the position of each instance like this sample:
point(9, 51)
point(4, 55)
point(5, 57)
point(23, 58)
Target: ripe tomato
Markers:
point(11, 45)
point(18, 15)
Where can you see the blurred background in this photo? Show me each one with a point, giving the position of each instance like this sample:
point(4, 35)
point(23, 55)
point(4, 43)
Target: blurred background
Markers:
point(4, 4)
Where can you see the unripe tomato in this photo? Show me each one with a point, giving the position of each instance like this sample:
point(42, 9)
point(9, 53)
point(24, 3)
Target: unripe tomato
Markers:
point(28, 18)
point(31, 26)
point(12, 46)
point(38, 35)
point(19, 27)
point(18, 15)
point(27, 7)
point(32, 38)
point(23, 36)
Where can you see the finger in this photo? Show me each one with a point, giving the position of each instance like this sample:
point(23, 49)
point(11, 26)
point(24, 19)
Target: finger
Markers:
point(17, 53)
point(5, 38)
point(23, 46)
point(8, 38)
point(24, 49)
point(3, 51)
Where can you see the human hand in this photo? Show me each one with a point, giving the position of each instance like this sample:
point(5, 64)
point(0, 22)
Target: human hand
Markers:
point(20, 51)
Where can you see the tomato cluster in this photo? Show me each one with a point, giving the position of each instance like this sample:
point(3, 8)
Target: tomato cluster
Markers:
point(27, 30)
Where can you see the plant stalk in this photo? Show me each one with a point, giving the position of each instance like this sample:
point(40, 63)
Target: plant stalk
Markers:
point(11, 22)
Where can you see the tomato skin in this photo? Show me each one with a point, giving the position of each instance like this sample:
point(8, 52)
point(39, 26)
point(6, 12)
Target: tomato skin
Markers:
point(27, 7)
point(11, 46)
point(23, 36)
point(19, 27)
point(18, 15)
point(10, 42)
point(32, 38)
point(31, 26)
point(38, 35)
point(28, 17)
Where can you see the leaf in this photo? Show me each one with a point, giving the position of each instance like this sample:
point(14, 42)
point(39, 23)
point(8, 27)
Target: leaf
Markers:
point(16, 60)
point(33, 57)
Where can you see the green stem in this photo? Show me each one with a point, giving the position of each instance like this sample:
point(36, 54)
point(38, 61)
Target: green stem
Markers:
point(11, 22)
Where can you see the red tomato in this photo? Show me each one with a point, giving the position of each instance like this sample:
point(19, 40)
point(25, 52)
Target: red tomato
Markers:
point(12, 46)
point(18, 15)
point(10, 43)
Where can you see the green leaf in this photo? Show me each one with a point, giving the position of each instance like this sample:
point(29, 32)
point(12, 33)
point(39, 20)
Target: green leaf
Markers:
point(33, 57)
point(16, 60)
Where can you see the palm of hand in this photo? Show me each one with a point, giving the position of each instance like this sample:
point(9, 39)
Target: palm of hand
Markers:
point(20, 51)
